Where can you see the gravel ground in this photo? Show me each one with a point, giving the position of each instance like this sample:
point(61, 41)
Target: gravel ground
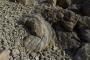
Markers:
point(12, 34)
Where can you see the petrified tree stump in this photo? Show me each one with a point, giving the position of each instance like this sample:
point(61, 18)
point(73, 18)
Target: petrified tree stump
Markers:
point(43, 34)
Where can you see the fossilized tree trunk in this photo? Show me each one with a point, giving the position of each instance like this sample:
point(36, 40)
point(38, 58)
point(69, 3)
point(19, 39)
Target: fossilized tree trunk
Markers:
point(42, 35)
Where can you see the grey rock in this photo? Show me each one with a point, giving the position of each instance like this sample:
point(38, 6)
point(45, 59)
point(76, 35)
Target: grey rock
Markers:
point(69, 20)
point(75, 8)
point(84, 35)
point(53, 14)
point(83, 53)
point(15, 52)
point(86, 20)
point(37, 58)
point(84, 6)
point(83, 28)
point(69, 41)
